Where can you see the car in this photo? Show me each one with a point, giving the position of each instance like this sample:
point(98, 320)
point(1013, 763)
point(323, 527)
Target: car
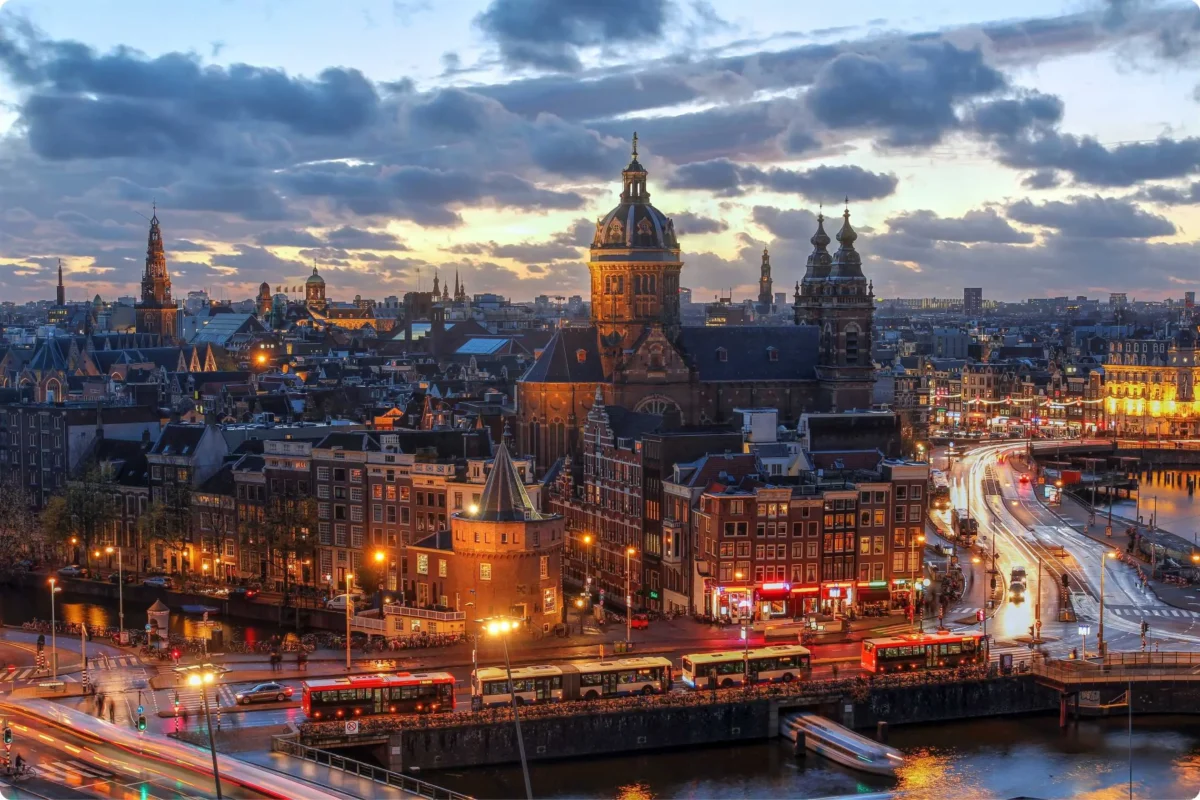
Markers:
point(244, 592)
point(118, 577)
point(338, 602)
point(639, 622)
point(73, 571)
point(1024, 478)
point(264, 693)
point(159, 582)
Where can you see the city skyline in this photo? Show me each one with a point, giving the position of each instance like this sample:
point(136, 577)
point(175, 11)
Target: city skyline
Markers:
point(496, 139)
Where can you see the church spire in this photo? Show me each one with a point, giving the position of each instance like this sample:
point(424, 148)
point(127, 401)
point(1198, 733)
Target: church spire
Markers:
point(156, 283)
point(61, 295)
point(634, 176)
point(436, 286)
point(847, 263)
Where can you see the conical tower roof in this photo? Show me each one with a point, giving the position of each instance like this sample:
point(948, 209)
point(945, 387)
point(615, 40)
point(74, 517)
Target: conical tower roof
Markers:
point(847, 263)
point(504, 496)
point(819, 260)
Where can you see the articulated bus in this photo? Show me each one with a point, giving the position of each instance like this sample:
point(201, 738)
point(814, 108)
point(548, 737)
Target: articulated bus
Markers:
point(586, 680)
point(965, 527)
point(784, 662)
point(371, 695)
point(939, 490)
point(919, 651)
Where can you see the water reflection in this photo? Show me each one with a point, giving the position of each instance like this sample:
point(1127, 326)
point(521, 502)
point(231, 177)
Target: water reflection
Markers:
point(1026, 756)
point(1177, 511)
point(18, 606)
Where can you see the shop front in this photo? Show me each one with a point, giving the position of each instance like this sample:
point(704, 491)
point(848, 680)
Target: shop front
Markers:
point(874, 599)
point(837, 598)
point(774, 601)
point(806, 600)
point(732, 602)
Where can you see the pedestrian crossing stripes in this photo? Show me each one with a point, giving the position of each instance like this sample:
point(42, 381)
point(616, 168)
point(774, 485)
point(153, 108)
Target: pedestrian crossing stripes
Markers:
point(114, 662)
point(192, 701)
point(43, 673)
point(1139, 613)
point(71, 771)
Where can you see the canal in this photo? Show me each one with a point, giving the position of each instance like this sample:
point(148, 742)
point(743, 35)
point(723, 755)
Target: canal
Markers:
point(1165, 494)
point(994, 758)
point(21, 605)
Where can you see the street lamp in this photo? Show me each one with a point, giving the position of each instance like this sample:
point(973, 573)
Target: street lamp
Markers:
point(54, 589)
point(201, 676)
point(629, 551)
point(501, 627)
point(1084, 630)
point(349, 614)
point(120, 594)
point(581, 605)
point(473, 509)
point(1107, 554)
point(586, 539)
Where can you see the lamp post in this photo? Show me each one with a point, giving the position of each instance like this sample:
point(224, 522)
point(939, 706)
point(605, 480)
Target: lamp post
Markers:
point(502, 627)
point(120, 594)
point(918, 544)
point(1084, 630)
point(349, 614)
point(586, 539)
point(1100, 630)
point(581, 604)
point(380, 559)
point(629, 551)
point(202, 677)
point(53, 631)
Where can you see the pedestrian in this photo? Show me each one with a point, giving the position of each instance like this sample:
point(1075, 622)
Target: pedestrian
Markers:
point(834, 667)
point(112, 712)
point(184, 714)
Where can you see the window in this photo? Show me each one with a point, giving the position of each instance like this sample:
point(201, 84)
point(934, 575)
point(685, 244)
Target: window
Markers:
point(901, 492)
point(442, 567)
point(485, 571)
point(356, 494)
point(864, 545)
point(322, 473)
point(377, 513)
point(916, 493)
point(864, 497)
point(811, 547)
point(864, 519)
point(422, 563)
point(377, 491)
point(356, 476)
point(544, 567)
point(898, 516)
point(880, 517)
point(797, 550)
point(810, 573)
point(914, 513)
point(879, 543)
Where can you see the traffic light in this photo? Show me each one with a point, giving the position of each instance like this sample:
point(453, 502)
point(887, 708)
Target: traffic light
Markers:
point(7, 735)
point(41, 641)
point(141, 722)
point(979, 615)
point(1145, 627)
point(175, 654)
point(176, 700)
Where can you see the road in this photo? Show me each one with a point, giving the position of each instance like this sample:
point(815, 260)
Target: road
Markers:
point(1022, 531)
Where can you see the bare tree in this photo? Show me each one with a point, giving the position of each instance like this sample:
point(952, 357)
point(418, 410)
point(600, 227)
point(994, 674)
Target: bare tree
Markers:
point(83, 513)
point(169, 521)
point(20, 531)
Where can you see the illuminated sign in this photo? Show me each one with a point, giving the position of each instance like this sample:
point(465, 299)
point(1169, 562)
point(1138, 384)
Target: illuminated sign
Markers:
point(776, 587)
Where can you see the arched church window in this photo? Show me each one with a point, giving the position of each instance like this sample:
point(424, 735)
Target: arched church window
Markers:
point(637, 284)
point(645, 227)
point(657, 404)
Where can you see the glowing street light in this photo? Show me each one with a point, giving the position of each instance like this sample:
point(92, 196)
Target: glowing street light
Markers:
point(202, 676)
point(501, 627)
point(473, 509)
point(120, 593)
point(629, 551)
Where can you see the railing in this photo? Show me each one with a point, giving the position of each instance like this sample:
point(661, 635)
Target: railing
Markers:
point(1152, 659)
point(369, 624)
point(425, 613)
point(405, 783)
point(1069, 672)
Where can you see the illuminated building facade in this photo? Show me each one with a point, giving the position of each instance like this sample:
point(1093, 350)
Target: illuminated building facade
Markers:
point(1149, 386)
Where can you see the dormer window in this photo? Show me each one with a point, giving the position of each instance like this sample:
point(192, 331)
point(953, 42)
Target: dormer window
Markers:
point(722, 355)
point(772, 354)
point(581, 355)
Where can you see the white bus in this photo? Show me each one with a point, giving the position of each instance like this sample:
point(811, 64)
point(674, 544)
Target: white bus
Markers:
point(539, 684)
point(783, 662)
point(582, 680)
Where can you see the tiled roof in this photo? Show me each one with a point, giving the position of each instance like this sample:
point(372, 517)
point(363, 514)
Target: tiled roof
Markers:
point(571, 356)
point(748, 352)
point(504, 497)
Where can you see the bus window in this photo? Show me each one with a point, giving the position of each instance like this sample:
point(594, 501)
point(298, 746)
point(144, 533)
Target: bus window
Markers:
point(687, 666)
point(869, 647)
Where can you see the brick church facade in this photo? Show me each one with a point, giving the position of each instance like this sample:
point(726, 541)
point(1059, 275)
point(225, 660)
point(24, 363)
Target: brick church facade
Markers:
point(639, 356)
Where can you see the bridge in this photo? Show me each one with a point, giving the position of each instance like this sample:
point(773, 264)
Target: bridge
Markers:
point(1163, 681)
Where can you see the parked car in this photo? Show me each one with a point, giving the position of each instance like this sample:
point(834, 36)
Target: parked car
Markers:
point(117, 577)
point(159, 582)
point(73, 571)
point(244, 592)
point(639, 622)
point(264, 693)
point(338, 603)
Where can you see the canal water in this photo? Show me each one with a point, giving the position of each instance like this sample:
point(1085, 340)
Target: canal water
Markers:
point(1177, 511)
point(993, 758)
point(21, 605)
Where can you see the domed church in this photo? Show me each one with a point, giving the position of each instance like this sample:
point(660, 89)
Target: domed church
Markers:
point(639, 356)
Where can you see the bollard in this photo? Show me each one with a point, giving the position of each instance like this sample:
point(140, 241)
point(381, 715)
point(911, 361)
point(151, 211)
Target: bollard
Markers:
point(881, 732)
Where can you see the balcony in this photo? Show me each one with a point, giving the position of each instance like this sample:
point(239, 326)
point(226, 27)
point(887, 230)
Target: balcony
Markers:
point(424, 613)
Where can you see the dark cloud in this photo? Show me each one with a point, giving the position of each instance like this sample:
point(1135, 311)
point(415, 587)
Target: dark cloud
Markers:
point(548, 34)
point(186, 246)
point(1093, 218)
point(426, 196)
point(1041, 179)
point(973, 227)
point(532, 251)
point(1172, 195)
point(248, 258)
point(1090, 162)
point(1016, 116)
point(785, 224)
point(353, 238)
point(909, 98)
point(689, 224)
point(83, 104)
point(727, 179)
point(286, 237)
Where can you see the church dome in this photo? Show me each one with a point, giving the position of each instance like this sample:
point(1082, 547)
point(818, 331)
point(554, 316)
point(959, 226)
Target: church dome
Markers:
point(635, 224)
point(264, 289)
point(315, 279)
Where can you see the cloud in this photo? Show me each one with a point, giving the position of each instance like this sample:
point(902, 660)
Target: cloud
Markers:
point(353, 238)
point(548, 34)
point(727, 179)
point(1171, 195)
point(789, 225)
point(425, 196)
point(1041, 179)
point(909, 98)
point(973, 227)
point(689, 224)
point(251, 259)
point(285, 237)
point(1010, 117)
point(1090, 162)
point(1093, 218)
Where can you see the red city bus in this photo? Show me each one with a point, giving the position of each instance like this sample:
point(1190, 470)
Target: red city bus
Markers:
point(369, 695)
point(917, 651)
